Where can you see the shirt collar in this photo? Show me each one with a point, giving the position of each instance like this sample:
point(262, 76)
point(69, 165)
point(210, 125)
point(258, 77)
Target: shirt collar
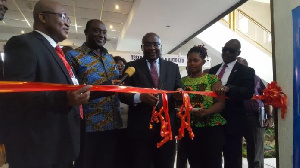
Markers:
point(229, 65)
point(156, 61)
point(86, 50)
point(51, 41)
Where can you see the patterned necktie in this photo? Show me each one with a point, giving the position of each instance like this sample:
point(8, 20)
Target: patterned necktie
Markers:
point(154, 73)
point(61, 55)
point(220, 75)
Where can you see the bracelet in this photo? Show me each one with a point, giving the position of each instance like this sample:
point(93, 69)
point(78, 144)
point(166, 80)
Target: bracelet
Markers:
point(269, 116)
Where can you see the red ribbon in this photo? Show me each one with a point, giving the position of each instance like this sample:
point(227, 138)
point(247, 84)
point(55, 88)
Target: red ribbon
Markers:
point(163, 117)
point(184, 115)
point(273, 95)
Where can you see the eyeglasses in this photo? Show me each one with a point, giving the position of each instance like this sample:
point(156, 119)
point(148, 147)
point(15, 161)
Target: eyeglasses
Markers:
point(63, 16)
point(150, 45)
point(230, 50)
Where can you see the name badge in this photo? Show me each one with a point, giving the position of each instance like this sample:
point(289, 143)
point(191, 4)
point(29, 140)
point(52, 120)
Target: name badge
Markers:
point(75, 81)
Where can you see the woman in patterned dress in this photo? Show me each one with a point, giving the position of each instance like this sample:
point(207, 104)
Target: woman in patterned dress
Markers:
point(205, 151)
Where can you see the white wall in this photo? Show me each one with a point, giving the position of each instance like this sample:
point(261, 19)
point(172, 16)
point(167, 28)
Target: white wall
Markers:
point(284, 71)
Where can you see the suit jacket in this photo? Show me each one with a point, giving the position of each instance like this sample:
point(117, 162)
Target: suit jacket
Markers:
point(139, 114)
point(241, 84)
point(39, 127)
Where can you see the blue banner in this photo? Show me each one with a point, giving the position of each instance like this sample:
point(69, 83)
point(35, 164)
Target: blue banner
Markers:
point(296, 87)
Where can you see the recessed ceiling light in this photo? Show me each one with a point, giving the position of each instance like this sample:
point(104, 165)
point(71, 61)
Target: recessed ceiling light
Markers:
point(113, 30)
point(110, 26)
point(22, 31)
point(117, 7)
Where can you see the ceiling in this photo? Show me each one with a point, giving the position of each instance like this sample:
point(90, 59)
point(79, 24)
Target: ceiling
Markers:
point(175, 21)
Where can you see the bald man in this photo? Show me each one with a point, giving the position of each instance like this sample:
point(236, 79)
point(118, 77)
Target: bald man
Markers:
point(41, 128)
point(237, 85)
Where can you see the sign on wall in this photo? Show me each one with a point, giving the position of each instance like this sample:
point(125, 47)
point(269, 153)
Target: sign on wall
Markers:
point(296, 87)
point(181, 60)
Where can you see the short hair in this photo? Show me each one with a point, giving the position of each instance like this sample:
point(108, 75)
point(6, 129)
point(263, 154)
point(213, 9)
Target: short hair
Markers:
point(149, 34)
point(198, 49)
point(118, 58)
point(236, 42)
point(88, 24)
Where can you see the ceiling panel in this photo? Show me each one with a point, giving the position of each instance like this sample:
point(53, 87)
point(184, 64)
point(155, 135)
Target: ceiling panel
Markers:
point(82, 21)
point(114, 17)
point(65, 2)
point(87, 13)
point(128, 1)
point(14, 15)
point(115, 26)
point(124, 7)
point(90, 4)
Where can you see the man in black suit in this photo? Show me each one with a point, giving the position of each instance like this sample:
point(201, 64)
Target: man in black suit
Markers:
point(41, 129)
point(150, 72)
point(237, 85)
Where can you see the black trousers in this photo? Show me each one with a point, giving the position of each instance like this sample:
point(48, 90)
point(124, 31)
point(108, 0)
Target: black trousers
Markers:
point(254, 136)
point(232, 151)
point(145, 154)
point(66, 165)
point(205, 150)
point(122, 159)
point(181, 160)
point(98, 149)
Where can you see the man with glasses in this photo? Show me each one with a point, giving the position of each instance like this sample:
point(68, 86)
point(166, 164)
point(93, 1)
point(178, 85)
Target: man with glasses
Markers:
point(237, 85)
point(150, 72)
point(42, 129)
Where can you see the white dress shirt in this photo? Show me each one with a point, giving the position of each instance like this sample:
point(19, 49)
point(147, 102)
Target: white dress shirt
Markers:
point(228, 70)
point(136, 98)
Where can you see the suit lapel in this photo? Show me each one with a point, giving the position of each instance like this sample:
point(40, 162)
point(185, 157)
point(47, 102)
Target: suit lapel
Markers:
point(54, 55)
point(162, 73)
point(233, 72)
point(215, 69)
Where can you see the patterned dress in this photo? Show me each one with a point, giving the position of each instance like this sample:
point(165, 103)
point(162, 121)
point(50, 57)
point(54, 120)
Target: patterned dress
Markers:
point(203, 83)
point(102, 113)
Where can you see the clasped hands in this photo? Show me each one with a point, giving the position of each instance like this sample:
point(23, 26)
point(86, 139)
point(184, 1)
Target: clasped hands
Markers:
point(153, 100)
point(221, 90)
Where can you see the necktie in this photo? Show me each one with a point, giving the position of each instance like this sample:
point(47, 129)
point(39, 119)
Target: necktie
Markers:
point(61, 55)
point(154, 73)
point(220, 75)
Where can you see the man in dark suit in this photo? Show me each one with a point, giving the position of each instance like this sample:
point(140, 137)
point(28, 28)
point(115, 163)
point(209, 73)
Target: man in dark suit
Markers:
point(150, 72)
point(41, 129)
point(237, 85)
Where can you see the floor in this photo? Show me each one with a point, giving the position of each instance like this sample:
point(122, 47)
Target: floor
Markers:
point(269, 163)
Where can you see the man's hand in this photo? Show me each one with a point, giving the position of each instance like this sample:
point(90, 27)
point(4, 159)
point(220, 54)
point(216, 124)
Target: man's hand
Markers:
point(78, 97)
point(222, 90)
point(269, 122)
point(114, 82)
point(149, 99)
point(200, 112)
point(178, 95)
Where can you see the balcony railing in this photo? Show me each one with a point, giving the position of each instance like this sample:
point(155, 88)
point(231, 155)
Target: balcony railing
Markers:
point(249, 28)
